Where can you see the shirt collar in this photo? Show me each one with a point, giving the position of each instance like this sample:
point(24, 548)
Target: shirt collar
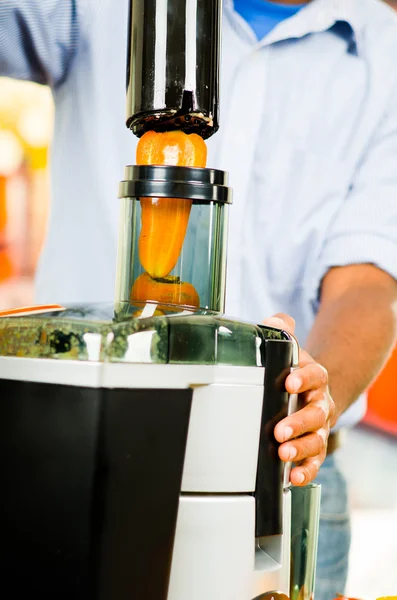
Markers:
point(316, 17)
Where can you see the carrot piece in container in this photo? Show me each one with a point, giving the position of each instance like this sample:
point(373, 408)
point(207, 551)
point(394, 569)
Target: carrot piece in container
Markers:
point(168, 290)
point(165, 220)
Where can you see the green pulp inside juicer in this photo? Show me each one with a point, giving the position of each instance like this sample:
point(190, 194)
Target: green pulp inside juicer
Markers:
point(93, 333)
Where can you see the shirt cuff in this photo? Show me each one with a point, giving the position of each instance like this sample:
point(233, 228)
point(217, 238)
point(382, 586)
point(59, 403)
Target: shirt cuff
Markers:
point(354, 249)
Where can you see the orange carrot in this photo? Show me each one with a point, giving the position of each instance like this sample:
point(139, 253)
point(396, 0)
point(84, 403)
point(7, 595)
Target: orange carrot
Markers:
point(165, 220)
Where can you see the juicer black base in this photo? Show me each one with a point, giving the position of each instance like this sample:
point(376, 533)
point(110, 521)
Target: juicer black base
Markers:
point(82, 516)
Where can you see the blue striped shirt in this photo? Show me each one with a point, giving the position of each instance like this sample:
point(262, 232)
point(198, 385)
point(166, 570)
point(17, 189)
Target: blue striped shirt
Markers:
point(308, 134)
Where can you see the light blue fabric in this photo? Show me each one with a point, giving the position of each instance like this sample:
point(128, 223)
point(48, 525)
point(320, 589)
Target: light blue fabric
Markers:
point(335, 532)
point(263, 16)
point(308, 134)
point(38, 39)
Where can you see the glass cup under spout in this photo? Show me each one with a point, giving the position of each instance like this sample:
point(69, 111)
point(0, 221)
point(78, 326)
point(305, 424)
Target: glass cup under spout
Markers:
point(305, 520)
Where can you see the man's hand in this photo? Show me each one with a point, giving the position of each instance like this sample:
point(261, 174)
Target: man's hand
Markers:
point(353, 333)
point(304, 435)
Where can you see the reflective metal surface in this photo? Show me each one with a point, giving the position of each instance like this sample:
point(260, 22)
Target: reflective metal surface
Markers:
point(173, 66)
point(305, 520)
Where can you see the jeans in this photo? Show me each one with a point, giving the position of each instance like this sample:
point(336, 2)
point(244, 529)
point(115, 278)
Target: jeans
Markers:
point(335, 532)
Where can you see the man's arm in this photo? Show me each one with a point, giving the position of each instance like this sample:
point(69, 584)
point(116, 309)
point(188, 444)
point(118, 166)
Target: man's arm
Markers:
point(353, 294)
point(355, 329)
point(38, 39)
point(353, 333)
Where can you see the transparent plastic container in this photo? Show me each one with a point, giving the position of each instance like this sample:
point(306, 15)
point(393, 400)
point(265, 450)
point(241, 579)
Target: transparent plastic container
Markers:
point(172, 240)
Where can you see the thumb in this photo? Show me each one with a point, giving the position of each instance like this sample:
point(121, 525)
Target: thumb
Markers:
point(281, 321)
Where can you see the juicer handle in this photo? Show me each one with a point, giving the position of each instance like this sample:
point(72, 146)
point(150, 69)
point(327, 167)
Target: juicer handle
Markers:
point(279, 356)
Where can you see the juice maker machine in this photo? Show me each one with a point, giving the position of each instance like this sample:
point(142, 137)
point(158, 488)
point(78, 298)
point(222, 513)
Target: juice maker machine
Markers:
point(137, 455)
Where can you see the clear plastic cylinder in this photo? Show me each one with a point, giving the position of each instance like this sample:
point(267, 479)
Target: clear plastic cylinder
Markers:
point(172, 240)
point(172, 252)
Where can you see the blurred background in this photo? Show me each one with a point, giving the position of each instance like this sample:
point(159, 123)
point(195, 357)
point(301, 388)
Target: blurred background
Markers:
point(26, 125)
point(369, 457)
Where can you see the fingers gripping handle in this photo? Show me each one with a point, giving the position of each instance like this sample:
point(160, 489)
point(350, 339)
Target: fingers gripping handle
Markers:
point(292, 403)
point(292, 408)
